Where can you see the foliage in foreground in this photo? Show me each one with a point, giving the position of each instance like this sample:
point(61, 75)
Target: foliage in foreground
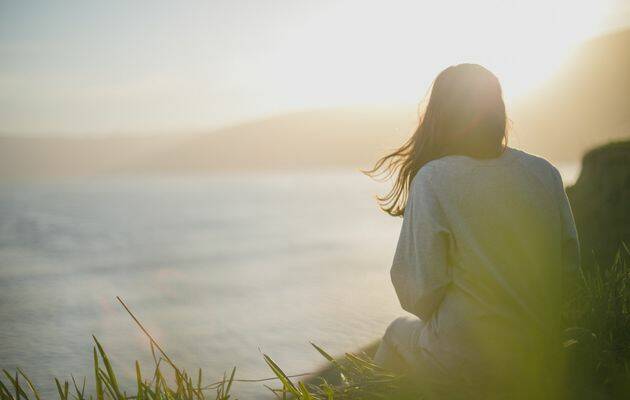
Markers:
point(360, 379)
point(597, 348)
point(597, 318)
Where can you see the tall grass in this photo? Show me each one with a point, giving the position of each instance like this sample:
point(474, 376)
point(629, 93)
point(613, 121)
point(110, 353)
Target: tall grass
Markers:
point(597, 347)
point(361, 379)
point(597, 317)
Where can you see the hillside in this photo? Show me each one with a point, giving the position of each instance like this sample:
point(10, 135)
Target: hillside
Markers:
point(586, 103)
point(351, 137)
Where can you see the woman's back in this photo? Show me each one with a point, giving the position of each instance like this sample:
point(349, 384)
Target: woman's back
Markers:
point(480, 260)
point(504, 219)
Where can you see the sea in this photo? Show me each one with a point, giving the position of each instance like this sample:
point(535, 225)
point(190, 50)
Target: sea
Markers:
point(219, 268)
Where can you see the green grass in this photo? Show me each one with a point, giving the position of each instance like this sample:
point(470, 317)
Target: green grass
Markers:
point(596, 346)
point(597, 317)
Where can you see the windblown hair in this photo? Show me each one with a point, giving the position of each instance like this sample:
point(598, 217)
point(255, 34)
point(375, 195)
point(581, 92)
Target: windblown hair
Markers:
point(465, 115)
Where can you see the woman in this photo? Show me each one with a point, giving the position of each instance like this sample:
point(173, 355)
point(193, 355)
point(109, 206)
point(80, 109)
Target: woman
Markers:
point(487, 235)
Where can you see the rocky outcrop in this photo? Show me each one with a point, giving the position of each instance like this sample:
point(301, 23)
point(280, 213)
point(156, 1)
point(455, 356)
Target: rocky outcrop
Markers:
point(600, 200)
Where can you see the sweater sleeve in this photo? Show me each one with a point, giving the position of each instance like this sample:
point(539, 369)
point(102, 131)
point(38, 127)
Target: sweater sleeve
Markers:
point(570, 242)
point(420, 272)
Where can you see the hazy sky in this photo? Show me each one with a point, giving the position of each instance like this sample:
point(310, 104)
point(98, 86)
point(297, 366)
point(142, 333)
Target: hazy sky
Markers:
point(110, 67)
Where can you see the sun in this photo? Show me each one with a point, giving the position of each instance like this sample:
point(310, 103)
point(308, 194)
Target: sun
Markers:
point(356, 52)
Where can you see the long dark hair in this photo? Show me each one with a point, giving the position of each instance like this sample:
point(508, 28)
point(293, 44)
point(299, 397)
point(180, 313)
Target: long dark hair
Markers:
point(465, 115)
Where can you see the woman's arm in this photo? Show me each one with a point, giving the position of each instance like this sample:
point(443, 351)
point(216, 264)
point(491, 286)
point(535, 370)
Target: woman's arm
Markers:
point(570, 242)
point(420, 271)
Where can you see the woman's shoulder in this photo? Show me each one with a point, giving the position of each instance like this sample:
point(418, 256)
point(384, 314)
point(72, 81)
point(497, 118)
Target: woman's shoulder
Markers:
point(437, 172)
point(509, 155)
point(532, 158)
point(537, 163)
point(459, 167)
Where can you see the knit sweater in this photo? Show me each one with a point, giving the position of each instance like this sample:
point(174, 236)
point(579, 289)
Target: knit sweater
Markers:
point(484, 249)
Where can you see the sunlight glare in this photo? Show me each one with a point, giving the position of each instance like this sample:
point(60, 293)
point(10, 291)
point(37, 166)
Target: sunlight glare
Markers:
point(390, 53)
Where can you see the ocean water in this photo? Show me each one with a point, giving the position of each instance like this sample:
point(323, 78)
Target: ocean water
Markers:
point(219, 269)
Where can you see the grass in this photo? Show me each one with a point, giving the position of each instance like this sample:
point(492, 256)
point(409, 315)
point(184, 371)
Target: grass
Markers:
point(596, 346)
point(597, 318)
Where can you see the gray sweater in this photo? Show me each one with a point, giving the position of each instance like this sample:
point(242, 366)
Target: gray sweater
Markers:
point(481, 256)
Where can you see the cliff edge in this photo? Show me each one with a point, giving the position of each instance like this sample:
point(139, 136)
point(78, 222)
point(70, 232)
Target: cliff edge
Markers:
point(600, 200)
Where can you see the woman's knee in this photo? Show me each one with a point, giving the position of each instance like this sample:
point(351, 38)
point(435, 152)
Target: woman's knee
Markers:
point(401, 328)
point(396, 325)
point(397, 351)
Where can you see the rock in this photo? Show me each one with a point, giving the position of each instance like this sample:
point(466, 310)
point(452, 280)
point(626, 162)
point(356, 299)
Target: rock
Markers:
point(600, 200)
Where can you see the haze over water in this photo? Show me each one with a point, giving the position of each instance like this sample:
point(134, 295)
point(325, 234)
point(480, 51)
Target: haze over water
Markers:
point(216, 267)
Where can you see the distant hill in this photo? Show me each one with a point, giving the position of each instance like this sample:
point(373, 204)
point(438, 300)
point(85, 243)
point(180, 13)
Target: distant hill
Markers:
point(585, 104)
point(350, 137)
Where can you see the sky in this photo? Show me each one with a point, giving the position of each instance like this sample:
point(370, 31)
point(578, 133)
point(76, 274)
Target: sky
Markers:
point(90, 68)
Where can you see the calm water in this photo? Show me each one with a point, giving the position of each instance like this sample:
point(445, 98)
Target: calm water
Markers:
point(216, 267)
